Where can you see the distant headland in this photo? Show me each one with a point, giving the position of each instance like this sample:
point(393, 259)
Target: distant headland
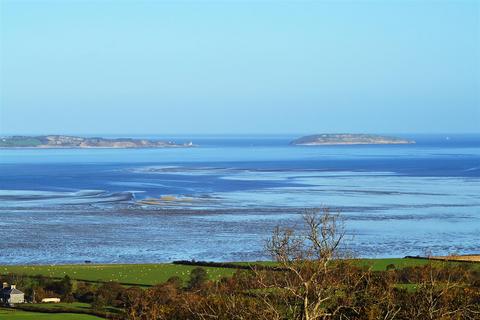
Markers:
point(347, 139)
point(63, 141)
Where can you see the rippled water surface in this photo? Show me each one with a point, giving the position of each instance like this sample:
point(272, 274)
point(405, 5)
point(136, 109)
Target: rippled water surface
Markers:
point(220, 200)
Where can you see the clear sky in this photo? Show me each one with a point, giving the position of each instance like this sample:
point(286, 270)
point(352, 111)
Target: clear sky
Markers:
point(153, 67)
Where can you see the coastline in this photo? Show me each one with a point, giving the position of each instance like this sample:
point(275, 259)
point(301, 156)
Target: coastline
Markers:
point(92, 147)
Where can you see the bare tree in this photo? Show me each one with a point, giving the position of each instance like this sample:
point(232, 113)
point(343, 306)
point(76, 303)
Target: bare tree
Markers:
point(305, 281)
point(440, 294)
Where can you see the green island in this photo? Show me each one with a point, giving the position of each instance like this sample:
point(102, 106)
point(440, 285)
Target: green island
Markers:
point(64, 141)
point(347, 139)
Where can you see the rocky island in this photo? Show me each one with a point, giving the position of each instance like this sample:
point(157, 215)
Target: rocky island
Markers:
point(347, 139)
point(63, 141)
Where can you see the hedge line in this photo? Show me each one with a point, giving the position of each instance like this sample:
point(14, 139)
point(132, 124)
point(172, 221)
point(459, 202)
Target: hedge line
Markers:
point(101, 314)
point(227, 265)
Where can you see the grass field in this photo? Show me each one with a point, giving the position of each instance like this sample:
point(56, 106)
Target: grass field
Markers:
point(9, 314)
point(61, 305)
point(381, 264)
point(150, 274)
point(139, 274)
point(378, 264)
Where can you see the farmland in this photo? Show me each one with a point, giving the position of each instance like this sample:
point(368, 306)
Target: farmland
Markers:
point(130, 274)
point(151, 274)
point(147, 275)
point(12, 314)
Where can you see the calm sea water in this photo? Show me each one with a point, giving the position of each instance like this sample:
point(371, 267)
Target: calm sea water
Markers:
point(221, 200)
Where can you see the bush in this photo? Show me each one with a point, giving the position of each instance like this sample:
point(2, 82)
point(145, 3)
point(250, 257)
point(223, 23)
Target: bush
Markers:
point(198, 277)
point(391, 266)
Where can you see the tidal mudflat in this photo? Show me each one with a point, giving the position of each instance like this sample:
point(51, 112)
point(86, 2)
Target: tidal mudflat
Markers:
point(220, 201)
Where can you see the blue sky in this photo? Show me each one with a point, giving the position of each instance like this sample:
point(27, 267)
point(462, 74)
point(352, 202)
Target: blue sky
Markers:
point(111, 67)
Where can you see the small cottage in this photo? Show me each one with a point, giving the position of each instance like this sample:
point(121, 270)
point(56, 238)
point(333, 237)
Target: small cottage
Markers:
point(11, 295)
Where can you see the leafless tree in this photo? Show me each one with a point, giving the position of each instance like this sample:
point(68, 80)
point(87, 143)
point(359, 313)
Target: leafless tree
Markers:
point(305, 281)
point(438, 291)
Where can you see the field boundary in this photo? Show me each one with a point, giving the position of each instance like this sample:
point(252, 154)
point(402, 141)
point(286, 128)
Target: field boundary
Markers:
point(445, 259)
point(101, 314)
point(226, 265)
point(89, 281)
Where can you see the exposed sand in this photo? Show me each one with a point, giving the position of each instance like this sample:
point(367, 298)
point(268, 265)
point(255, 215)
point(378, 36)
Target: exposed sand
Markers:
point(468, 257)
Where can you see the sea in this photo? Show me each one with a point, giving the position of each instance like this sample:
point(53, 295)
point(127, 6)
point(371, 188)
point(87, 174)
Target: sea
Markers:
point(220, 200)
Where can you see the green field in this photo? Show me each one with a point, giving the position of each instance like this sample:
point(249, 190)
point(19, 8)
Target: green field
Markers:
point(61, 305)
point(400, 263)
point(72, 307)
point(381, 264)
point(374, 264)
point(24, 315)
point(151, 274)
point(64, 307)
point(138, 274)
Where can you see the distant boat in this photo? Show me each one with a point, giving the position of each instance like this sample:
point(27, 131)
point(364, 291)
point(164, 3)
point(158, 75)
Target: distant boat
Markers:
point(447, 138)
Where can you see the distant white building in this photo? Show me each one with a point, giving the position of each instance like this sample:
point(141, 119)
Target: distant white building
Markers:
point(11, 295)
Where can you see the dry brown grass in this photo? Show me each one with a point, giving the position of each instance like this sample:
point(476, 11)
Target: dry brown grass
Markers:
point(468, 257)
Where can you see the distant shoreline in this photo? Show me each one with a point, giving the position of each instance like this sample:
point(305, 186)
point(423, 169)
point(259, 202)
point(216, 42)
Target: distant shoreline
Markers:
point(464, 258)
point(76, 142)
point(76, 148)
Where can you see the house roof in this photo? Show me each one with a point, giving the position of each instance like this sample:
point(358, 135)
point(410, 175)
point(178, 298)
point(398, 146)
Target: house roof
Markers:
point(12, 291)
